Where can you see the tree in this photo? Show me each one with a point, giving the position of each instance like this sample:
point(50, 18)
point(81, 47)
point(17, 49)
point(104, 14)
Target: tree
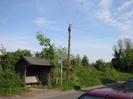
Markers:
point(48, 50)
point(9, 80)
point(8, 59)
point(123, 55)
point(2, 49)
point(62, 53)
point(85, 61)
point(101, 65)
point(21, 53)
point(76, 61)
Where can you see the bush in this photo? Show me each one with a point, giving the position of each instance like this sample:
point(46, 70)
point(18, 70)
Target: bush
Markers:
point(90, 76)
point(10, 82)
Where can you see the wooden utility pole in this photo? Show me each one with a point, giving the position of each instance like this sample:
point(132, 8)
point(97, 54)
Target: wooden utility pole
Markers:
point(69, 41)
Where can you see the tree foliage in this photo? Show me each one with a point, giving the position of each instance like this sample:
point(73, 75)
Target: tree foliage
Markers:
point(10, 82)
point(123, 55)
point(76, 61)
point(101, 65)
point(11, 57)
point(48, 50)
point(83, 73)
point(85, 61)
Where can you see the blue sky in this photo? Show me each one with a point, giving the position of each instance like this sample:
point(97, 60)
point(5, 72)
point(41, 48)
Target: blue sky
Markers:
point(96, 24)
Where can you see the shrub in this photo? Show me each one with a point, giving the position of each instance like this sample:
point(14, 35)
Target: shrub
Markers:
point(10, 82)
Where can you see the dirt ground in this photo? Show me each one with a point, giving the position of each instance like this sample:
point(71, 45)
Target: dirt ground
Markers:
point(34, 93)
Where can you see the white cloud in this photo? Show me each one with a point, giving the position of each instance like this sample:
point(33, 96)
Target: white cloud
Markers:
point(40, 21)
point(105, 4)
point(104, 15)
point(125, 5)
point(121, 17)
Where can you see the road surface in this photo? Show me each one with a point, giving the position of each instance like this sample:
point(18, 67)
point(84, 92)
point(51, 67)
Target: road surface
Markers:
point(48, 94)
point(67, 95)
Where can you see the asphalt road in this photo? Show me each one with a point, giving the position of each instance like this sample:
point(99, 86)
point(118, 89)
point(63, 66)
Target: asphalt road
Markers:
point(69, 95)
point(46, 95)
point(50, 94)
point(73, 94)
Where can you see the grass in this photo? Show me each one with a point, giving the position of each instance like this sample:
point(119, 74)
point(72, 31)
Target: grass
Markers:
point(81, 77)
point(11, 90)
point(86, 77)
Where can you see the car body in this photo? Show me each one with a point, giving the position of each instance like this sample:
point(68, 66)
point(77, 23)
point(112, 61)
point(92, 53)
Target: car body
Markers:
point(123, 92)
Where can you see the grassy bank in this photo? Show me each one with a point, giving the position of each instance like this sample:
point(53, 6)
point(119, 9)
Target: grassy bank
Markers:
point(81, 77)
point(86, 77)
point(11, 90)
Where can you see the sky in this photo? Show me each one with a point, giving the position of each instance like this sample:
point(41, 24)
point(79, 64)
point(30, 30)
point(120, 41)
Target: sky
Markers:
point(97, 25)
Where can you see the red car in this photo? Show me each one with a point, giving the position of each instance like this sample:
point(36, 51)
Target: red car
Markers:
point(123, 92)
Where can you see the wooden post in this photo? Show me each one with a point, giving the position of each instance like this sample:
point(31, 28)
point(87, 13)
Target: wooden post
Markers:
point(69, 41)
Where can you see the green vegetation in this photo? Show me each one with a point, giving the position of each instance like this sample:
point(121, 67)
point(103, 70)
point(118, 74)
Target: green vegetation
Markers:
point(84, 74)
point(10, 82)
point(123, 56)
point(90, 76)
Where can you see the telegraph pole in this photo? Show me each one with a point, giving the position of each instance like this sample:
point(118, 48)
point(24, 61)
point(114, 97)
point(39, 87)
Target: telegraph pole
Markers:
point(69, 41)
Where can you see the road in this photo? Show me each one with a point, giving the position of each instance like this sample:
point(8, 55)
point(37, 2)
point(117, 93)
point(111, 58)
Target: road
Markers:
point(66, 95)
point(74, 94)
point(51, 94)
point(48, 94)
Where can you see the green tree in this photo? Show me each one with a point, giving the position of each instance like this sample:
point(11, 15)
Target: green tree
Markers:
point(10, 58)
point(50, 53)
point(2, 49)
point(62, 53)
point(76, 61)
point(21, 53)
point(10, 82)
point(48, 50)
point(85, 61)
point(123, 55)
point(101, 65)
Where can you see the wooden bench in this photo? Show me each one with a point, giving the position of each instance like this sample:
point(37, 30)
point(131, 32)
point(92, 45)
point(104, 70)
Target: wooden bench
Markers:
point(31, 80)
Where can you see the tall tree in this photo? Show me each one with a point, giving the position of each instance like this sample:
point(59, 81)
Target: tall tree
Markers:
point(101, 65)
point(76, 61)
point(85, 61)
point(48, 50)
point(123, 55)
